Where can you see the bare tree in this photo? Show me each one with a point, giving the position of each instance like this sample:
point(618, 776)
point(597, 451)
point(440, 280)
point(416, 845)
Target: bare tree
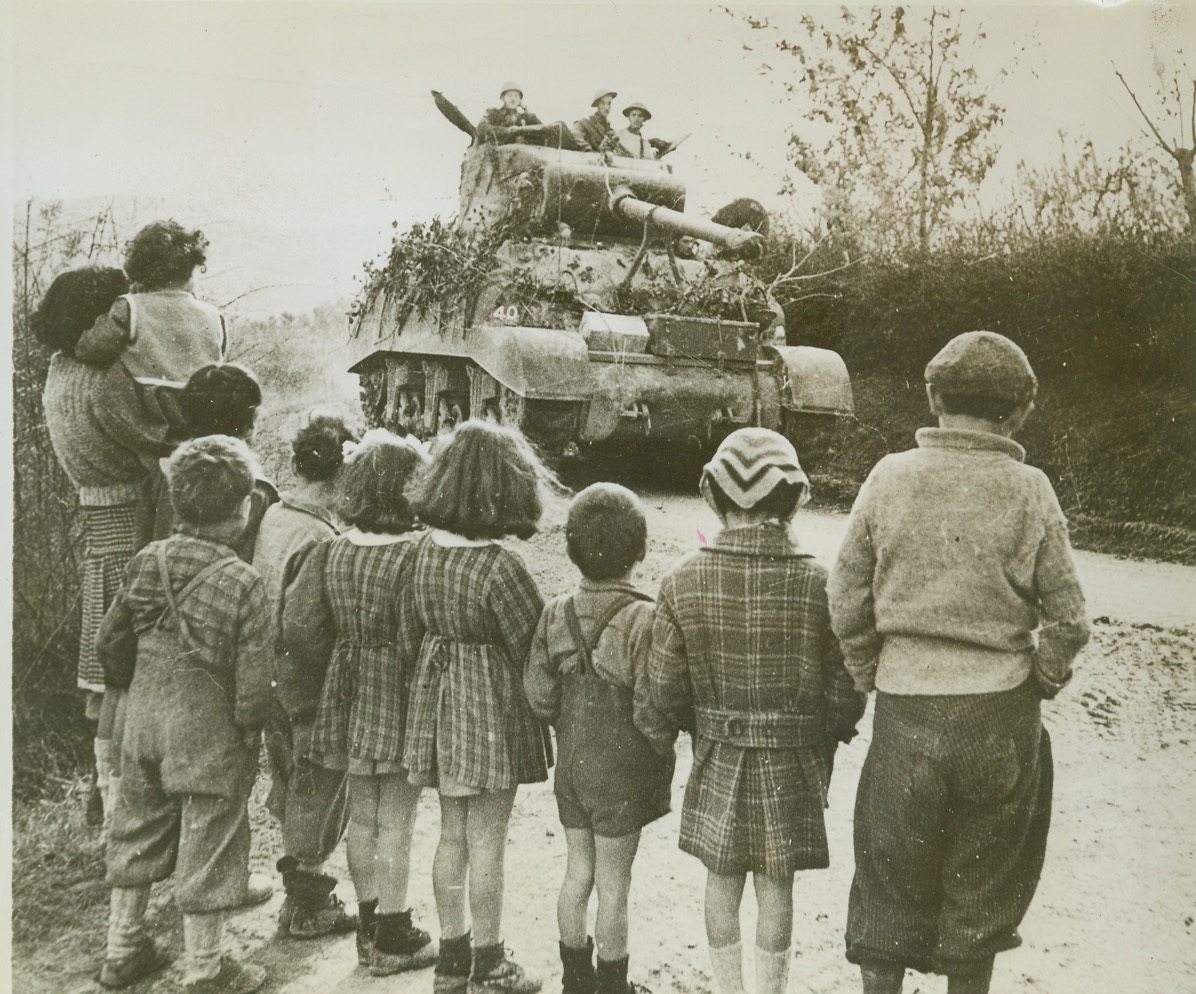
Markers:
point(1172, 112)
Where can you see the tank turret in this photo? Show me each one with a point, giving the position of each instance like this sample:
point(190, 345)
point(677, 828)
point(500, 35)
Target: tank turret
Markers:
point(564, 298)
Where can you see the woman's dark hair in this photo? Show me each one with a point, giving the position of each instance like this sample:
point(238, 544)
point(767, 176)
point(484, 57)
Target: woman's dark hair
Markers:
point(606, 533)
point(73, 302)
point(978, 406)
point(164, 253)
point(221, 399)
point(782, 501)
point(371, 492)
point(318, 447)
point(484, 483)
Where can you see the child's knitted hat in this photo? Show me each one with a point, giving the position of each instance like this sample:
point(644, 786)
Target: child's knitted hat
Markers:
point(748, 466)
point(983, 364)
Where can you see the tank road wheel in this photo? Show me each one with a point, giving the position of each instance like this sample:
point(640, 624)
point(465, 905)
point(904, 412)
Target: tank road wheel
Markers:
point(371, 380)
point(552, 424)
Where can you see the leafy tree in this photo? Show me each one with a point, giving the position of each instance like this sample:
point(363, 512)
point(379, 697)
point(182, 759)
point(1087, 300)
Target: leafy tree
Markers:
point(900, 125)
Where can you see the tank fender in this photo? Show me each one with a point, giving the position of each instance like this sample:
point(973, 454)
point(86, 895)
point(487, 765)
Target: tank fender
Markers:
point(536, 363)
point(812, 380)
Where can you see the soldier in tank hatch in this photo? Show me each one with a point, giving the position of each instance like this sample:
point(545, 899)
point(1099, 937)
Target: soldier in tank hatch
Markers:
point(594, 133)
point(512, 113)
point(632, 138)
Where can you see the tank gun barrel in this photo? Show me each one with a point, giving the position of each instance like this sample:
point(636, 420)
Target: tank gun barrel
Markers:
point(747, 244)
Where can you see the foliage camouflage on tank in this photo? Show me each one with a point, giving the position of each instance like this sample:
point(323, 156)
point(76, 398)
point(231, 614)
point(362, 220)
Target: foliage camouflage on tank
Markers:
point(572, 297)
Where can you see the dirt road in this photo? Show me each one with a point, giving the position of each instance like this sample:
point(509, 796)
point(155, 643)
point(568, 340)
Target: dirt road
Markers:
point(1116, 907)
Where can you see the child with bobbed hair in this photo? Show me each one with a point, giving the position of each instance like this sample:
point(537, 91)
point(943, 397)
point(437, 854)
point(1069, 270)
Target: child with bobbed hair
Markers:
point(589, 655)
point(470, 731)
point(108, 444)
point(743, 655)
point(160, 333)
point(198, 693)
point(308, 800)
point(220, 398)
point(353, 591)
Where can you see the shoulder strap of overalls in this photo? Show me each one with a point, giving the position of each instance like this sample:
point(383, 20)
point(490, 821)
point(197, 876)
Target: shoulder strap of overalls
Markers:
point(172, 602)
point(585, 649)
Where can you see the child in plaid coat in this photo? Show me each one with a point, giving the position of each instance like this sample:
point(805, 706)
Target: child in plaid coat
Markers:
point(354, 589)
point(470, 731)
point(743, 656)
point(955, 597)
point(198, 696)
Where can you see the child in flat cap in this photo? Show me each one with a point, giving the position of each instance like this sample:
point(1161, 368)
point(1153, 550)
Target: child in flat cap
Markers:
point(955, 597)
point(743, 656)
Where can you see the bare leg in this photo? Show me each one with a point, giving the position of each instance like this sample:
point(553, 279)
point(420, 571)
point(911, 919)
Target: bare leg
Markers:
point(362, 838)
point(613, 878)
point(398, 801)
point(724, 892)
point(486, 831)
point(774, 926)
point(573, 903)
point(450, 868)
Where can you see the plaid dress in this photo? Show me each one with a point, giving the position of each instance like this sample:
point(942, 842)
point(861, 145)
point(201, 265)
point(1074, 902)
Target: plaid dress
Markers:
point(743, 654)
point(477, 607)
point(363, 707)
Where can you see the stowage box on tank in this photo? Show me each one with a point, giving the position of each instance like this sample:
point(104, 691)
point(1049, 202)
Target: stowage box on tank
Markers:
point(572, 297)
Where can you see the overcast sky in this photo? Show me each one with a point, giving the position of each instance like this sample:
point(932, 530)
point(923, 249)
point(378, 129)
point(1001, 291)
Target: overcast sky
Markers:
point(315, 118)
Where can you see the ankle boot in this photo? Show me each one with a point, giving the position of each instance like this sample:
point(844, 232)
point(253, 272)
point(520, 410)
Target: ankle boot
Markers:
point(453, 966)
point(399, 945)
point(577, 969)
point(311, 909)
point(612, 977)
point(131, 954)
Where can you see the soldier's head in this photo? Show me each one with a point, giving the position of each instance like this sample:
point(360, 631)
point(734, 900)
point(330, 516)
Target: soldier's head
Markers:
point(637, 116)
point(603, 100)
point(511, 95)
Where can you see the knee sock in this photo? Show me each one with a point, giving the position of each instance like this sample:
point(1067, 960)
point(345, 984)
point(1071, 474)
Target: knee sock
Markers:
point(726, 963)
point(882, 978)
point(772, 971)
point(126, 921)
point(203, 941)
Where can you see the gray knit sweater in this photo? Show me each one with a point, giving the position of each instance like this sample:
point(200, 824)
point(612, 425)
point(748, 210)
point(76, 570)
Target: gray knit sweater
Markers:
point(956, 574)
point(105, 439)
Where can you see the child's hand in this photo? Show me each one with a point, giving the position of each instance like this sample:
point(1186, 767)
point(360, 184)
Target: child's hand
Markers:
point(1047, 688)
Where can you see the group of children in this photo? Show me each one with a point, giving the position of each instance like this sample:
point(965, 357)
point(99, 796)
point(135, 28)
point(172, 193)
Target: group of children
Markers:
point(374, 623)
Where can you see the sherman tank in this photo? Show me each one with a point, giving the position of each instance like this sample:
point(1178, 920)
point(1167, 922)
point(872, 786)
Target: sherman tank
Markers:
point(573, 297)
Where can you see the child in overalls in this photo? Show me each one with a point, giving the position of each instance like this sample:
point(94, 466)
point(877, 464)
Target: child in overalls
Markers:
point(589, 654)
point(742, 653)
point(198, 695)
